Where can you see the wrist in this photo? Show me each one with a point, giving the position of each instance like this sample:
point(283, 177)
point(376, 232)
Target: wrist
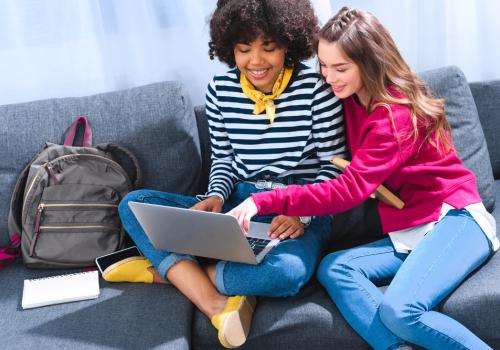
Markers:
point(216, 198)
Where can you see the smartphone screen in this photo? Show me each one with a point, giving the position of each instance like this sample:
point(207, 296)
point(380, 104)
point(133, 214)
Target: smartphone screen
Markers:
point(104, 261)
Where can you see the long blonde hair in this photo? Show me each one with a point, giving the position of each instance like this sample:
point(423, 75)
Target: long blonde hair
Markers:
point(369, 45)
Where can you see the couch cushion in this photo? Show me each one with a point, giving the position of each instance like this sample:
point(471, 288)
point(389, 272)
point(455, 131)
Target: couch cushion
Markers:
point(156, 122)
point(356, 226)
point(450, 83)
point(124, 316)
point(205, 146)
point(476, 303)
point(308, 320)
point(486, 95)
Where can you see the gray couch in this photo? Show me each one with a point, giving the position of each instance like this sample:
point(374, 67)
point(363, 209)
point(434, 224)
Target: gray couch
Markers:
point(158, 123)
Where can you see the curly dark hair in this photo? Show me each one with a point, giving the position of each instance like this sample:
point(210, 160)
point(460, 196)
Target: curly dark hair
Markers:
point(291, 23)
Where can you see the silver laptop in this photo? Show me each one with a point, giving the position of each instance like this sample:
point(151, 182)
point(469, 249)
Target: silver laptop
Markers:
point(200, 233)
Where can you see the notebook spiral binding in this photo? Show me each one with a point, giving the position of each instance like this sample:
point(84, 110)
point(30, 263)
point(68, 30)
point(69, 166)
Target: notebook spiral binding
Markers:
point(59, 276)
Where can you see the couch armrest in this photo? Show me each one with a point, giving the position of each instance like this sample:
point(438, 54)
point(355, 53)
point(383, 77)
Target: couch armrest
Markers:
point(486, 95)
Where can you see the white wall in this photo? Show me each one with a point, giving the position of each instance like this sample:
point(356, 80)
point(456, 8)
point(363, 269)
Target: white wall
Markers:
point(57, 48)
point(435, 33)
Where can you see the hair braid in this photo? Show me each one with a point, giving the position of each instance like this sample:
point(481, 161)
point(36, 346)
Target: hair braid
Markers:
point(343, 18)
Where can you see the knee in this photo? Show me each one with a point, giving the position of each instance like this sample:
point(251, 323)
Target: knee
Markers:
point(399, 315)
point(333, 269)
point(290, 274)
point(129, 197)
point(127, 218)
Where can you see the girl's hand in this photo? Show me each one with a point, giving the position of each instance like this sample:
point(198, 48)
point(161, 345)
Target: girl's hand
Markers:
point(286, 226)
point(244, 212)
point(212, 203)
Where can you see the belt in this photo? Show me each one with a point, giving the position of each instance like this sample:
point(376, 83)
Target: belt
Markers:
point(266, 185)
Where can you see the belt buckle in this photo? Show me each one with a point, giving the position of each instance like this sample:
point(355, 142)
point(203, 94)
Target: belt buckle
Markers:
point(268, 185)
point(275, 185)
point(263, 184)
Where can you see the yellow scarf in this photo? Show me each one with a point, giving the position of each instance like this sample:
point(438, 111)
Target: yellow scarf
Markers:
point(263, 101)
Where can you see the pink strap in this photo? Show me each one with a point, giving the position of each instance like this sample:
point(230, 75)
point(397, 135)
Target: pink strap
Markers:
point(15, 239)
point(87, 132)
point(8, 255)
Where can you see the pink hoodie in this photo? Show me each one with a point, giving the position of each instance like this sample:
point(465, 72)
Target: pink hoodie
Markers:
point(382, 153)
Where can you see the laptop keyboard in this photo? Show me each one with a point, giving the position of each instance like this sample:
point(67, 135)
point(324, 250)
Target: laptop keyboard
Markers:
point(257, 244)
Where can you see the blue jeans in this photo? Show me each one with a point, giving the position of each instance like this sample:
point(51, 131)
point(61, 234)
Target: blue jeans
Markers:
point(420, 280)
point(283, 272)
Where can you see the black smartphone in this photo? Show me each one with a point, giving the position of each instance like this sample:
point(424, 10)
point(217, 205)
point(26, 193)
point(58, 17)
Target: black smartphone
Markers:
point(107, 260)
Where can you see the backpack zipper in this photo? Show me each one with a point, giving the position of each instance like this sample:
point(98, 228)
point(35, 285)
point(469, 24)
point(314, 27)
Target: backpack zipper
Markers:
point(37, 175)
point(37, 229)
point(52, 174)
point(40, 227)
point(80, 205)
point(49, 164)
point(42, 206)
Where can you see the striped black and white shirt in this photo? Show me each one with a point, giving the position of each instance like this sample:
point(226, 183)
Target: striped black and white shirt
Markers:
point(308, 130)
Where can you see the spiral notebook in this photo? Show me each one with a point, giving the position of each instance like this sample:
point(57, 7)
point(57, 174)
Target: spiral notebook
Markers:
point(60, 289)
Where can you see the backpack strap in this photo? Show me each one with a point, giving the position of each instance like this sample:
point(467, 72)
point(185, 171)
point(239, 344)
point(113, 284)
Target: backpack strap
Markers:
point(87, 132)
point(116, 151)
point(9, 254)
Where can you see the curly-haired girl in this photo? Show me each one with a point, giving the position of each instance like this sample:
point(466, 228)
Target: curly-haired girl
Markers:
point(397, 134)
point(273, 122)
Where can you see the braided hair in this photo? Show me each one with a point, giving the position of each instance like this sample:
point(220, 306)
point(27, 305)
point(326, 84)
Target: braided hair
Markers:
point(343, 18)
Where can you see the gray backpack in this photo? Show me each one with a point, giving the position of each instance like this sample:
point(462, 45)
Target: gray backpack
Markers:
point(65, 203)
